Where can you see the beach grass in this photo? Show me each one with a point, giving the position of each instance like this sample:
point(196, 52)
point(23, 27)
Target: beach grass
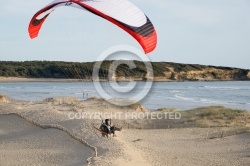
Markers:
point(218, 116)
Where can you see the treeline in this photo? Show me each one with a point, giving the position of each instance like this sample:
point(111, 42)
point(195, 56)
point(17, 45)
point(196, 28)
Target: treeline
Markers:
point(168, 70)
point(42, 69)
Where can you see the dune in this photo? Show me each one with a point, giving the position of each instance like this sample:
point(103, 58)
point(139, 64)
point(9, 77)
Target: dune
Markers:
point(42, 133)
point(3, 99)
point(62, 100)
point(188, 147)
point(23, 143)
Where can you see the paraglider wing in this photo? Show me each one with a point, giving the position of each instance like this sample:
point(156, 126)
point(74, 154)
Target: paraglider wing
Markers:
point(39, 18)
point(120, 12)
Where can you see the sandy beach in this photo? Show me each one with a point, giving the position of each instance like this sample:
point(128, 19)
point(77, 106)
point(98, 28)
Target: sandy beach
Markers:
point(125, 83)
point(42, 133)
point(20, 79)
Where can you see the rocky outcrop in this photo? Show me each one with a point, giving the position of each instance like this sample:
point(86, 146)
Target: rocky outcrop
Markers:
point(206, 73)
point(248, 75)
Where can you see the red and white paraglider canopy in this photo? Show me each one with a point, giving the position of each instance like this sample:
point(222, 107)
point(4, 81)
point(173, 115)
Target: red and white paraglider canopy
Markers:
point(122, 13)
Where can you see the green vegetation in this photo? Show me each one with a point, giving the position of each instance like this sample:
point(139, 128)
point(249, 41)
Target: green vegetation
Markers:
point(163, 70)
point(217, 116)
point(203, 117)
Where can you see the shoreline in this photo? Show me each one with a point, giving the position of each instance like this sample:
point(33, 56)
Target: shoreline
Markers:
point(45, 100)
point(41, 95)
point(20, 79)
point(6, 99)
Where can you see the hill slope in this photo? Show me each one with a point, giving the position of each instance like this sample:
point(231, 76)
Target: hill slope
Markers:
point(162, 71)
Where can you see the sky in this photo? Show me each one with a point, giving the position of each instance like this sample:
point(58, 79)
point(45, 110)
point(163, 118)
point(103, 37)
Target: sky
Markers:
point(209, 32)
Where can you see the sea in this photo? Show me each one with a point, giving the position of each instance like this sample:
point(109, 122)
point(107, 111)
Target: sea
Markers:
point(178, 95)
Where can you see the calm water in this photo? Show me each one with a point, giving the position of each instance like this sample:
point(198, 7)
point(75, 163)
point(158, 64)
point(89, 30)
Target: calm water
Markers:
point(181, 95)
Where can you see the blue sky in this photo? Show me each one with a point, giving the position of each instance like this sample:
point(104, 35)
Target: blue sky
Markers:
point(210, 32)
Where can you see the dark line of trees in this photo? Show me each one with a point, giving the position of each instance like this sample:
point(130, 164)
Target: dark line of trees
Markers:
point(57, 69)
